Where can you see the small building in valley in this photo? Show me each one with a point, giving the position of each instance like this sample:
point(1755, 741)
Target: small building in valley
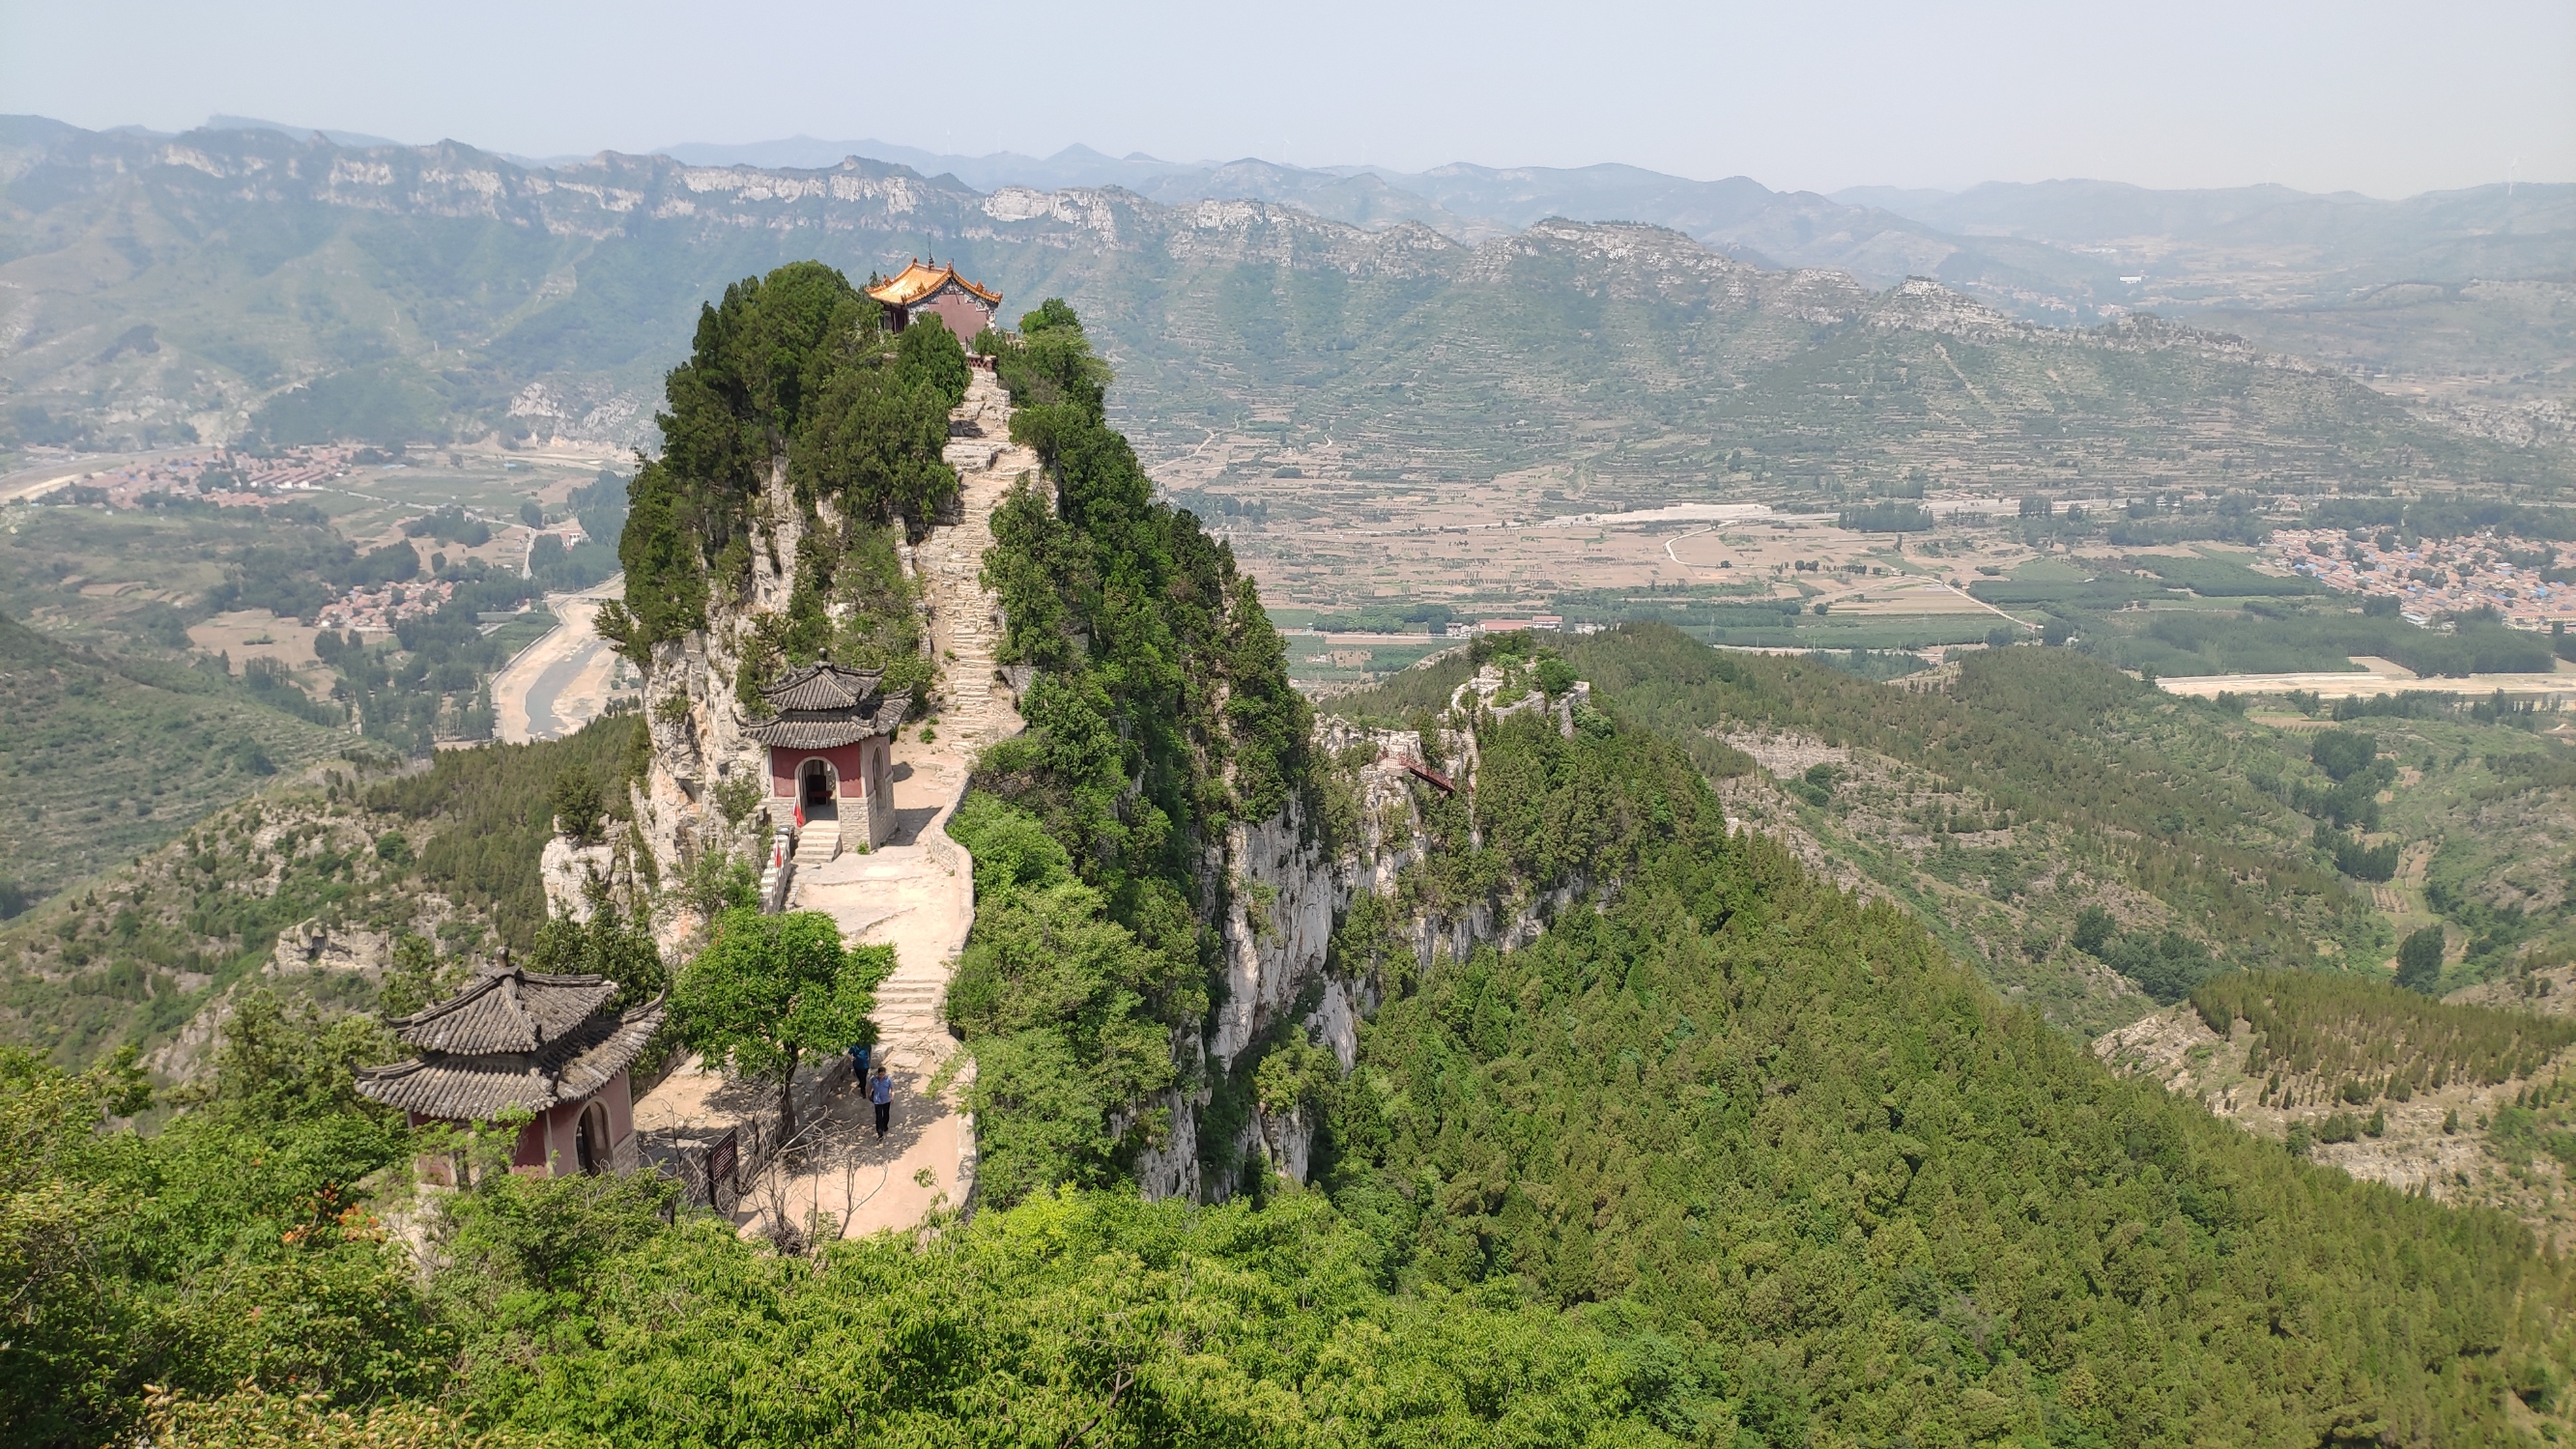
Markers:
point(831, 747)
point(921, 290)
point(518, 1039)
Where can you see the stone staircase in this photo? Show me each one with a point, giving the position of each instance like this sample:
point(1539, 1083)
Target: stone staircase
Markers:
point(976, 707)
point(908, 1003)
point(818, 842)
point(916, 891)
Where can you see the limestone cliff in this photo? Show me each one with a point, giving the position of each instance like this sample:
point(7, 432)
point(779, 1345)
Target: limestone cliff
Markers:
point(1287, 885)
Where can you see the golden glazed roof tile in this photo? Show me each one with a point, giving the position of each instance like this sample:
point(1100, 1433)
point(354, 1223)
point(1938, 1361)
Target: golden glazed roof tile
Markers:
point(917, 281)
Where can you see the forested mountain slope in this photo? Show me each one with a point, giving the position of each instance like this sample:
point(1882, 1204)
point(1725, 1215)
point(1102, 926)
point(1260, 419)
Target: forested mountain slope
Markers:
point(2463, 1102)
point(1723, 1156)
point(1640, 1133)
point(2002, 806)
point(416, 292)
point(310, 886)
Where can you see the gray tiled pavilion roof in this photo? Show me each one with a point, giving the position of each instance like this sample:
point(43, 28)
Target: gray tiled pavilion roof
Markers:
point(823, 705)
point(512, 1039)
point(883, 716)
point(508, 1010)
point(821, 685)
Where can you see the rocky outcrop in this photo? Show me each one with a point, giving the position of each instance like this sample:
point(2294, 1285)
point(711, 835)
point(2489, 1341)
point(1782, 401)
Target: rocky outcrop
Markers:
point(700, 752)
point(1284, 895)
point(314, 946)
point(573, 875)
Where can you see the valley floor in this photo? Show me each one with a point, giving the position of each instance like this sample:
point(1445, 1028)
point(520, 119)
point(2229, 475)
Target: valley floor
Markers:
point(562, 681)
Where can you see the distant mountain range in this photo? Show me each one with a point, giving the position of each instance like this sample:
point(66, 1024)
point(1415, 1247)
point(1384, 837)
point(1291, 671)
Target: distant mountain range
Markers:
point(2072, 251)
point(250, 281)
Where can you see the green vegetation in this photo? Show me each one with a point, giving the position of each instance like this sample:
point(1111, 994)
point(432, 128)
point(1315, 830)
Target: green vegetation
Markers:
point(2482, 802)
point(1733, 1157)
point(127, 735)
point(1888, 518)
point(135, 956)
point(1780, 1127)
point(790, 372)
point(2345, 1028)
point(1157, 666)
point(1143, 633)
point(2218, 578)
point(770, 991)
point(431, 680)
point(1068, 1013)
point(106, 755)
point(1725, 1156)
point(2098, 778)
point(233, 1245)
point(2419, 958)
point(2271, 635)
point(2287, 641)
point(491, 810)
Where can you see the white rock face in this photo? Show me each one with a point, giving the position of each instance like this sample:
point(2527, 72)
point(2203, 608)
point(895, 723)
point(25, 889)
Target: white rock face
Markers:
point(1285, 898)
point(1276, 928)
point(1172, 1170)
point(571, 873)
point(696, 725)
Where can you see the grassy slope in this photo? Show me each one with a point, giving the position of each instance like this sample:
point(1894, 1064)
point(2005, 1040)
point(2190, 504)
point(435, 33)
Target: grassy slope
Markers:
point(108, 756)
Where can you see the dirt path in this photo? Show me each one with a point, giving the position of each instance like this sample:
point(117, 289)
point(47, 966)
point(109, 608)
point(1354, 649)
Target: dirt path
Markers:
point(916, 893)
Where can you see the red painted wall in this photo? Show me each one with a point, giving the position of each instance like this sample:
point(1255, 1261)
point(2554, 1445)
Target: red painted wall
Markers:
point(964, 312)
point(546, 1145)
point(618, 1097)
point(785, 765)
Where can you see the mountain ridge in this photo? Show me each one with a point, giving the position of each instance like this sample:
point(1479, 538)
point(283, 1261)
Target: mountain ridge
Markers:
point(432, 292)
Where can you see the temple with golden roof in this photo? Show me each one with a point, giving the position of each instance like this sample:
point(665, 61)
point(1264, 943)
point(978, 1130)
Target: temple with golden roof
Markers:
point(928, 290)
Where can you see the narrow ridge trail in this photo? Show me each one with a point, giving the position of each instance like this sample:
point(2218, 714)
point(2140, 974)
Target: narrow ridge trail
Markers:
point(916, 892)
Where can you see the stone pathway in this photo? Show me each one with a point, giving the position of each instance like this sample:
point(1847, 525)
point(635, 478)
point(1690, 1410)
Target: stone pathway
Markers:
point(916, 892)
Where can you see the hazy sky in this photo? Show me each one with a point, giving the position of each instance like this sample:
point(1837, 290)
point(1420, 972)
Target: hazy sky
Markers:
point(2376, 97)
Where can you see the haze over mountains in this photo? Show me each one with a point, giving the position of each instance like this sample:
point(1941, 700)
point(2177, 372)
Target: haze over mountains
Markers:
point(246, 281)
point(2056, 251)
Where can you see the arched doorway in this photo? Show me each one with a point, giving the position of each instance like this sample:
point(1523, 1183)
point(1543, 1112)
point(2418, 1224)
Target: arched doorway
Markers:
point(821, 783)
point(590, 1145)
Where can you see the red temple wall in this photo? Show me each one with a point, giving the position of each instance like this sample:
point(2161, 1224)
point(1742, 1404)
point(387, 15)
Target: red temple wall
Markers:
point(964, 313)
point(846, 764)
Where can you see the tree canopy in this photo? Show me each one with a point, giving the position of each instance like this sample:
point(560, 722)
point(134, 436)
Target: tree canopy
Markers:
point(768, 990)
point(792, 375)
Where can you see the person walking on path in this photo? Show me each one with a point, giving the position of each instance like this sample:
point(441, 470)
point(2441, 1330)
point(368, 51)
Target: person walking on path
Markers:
point(881, 1092)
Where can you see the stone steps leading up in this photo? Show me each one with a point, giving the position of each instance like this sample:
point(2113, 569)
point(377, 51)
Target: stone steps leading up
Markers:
point(965, 620)
point(817, 843)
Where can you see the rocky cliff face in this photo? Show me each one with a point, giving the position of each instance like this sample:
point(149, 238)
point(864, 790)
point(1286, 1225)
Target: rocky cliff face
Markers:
point(701, 759)
point(1285, 895)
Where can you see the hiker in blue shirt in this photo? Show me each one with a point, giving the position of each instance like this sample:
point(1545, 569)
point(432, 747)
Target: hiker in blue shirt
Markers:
point(881, 1092)
point(859, 1061)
